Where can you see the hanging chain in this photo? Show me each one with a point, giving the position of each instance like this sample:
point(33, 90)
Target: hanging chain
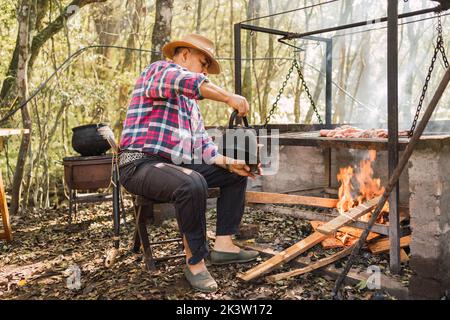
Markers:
point(283, 86)
point(441, 41)
point(439, 48)
point(280, 92)
point(313, 104)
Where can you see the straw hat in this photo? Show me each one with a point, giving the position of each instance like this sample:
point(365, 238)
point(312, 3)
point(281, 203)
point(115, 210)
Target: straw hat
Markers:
point(198, 42)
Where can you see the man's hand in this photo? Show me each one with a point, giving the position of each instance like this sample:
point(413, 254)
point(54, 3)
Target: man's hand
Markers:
point(237, 166)
point(242, 169)
point(239, 103)
point(213, 92)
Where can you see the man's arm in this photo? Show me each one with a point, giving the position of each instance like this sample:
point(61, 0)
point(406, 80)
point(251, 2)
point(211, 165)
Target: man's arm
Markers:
point(213, 92)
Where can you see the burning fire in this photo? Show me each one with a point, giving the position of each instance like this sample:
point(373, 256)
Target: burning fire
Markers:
point(369, 187)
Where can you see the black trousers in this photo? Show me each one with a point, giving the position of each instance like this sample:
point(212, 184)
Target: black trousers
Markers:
point(186, 186)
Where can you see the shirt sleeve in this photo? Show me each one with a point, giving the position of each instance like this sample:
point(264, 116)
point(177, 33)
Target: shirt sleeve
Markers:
point(204, 146)
point(209, 150)
point(170, 81)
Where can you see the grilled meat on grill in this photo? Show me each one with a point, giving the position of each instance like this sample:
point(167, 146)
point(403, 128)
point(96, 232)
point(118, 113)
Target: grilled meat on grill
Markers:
point(347, 131)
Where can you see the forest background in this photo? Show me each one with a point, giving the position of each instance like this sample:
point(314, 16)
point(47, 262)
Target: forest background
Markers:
point(37, 36)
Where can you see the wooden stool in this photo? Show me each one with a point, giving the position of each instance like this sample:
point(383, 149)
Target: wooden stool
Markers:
point(143, 211)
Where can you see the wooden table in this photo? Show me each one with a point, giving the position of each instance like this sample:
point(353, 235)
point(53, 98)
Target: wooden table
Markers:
point(7, 232)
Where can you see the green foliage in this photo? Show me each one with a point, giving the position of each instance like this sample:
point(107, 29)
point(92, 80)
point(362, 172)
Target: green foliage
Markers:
point(7, 30)
point(361, 285)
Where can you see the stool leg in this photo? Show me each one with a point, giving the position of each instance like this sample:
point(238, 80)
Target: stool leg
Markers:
point(143, 235)
point(136, 239)
point(75, 211)
point(70, 205)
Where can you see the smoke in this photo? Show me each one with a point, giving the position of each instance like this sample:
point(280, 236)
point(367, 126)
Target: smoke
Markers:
point(360, 59)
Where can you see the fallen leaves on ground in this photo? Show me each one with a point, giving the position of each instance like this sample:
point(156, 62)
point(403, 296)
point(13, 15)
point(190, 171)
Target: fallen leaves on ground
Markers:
point(40, 262)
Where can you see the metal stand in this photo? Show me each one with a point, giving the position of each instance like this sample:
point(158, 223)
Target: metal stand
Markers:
point(392, 54)
point(392, 91)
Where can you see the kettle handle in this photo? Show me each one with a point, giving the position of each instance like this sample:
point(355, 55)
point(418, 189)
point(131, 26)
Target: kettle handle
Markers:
point(233, 118)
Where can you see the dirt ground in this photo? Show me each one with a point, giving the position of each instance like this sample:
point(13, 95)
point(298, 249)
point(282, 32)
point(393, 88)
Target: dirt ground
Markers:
point(36, 265)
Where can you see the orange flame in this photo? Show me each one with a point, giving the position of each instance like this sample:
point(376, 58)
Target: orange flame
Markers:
point(346, 201)
point(369, 187)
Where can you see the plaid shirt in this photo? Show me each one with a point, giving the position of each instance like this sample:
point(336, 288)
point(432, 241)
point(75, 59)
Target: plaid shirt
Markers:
point(164, 118)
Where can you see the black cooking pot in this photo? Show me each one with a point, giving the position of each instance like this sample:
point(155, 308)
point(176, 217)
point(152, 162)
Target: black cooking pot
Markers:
point(240, 142)
point(87, 141)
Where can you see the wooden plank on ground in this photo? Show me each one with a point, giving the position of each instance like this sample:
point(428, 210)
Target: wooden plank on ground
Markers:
point(349, 216)
point(307, 243)
point(279, 198)
point(311, 215)
point(382, 245)
point(331, 243)
point(313, 266)
point(355, 232)
point(282, 257)
point(352, 278)
point(403, 256)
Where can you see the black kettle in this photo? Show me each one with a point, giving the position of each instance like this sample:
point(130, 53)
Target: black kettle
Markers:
point(240, 142)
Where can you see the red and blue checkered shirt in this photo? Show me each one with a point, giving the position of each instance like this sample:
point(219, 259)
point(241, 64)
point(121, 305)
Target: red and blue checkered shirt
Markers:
point(163, 117)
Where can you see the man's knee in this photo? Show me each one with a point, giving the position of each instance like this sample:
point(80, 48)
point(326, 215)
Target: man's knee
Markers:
point(194, 187)
point(240, 180)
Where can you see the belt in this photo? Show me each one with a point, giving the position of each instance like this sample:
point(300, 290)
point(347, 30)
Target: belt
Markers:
point(129, 157)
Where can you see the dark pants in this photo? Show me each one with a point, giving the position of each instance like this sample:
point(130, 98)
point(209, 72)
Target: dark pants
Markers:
point(186, 186)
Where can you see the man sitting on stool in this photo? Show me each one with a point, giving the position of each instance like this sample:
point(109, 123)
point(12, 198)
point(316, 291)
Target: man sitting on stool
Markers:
point(163, 134)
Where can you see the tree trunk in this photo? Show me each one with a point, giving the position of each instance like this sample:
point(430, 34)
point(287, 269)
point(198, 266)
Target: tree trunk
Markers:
point(108, 28)
point(270, 66)
point(247, 85)
point(41, 13)
point(25, 30)
point(317, 91)
point(231, 53)
point(162, 28)
point(297, 106)
point(362, 66)
point(199, 16)
point(413, 51)
point(339, 114)
point(134, 9)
